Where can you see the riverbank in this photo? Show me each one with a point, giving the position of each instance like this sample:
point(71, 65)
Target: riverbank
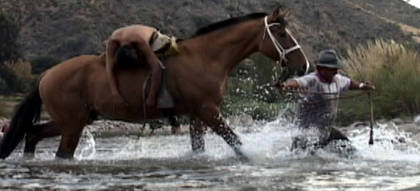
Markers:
point(109, 128)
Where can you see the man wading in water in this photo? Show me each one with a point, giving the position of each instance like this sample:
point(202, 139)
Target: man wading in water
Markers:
point(321, 90)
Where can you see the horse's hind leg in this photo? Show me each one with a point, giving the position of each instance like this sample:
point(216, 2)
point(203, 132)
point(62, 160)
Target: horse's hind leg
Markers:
point(197, 130)
point(42, 131)
point(71, 123)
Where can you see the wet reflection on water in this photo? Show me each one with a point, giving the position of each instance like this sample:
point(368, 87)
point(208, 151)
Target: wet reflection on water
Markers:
point(166, 163)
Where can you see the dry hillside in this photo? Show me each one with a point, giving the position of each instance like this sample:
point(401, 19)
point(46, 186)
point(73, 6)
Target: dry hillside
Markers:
point(65, 28)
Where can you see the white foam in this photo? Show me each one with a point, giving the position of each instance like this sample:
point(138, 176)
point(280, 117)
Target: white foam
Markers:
point(268, 141)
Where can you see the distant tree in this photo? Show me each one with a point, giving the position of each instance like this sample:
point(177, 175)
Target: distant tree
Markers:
point(40, 64)
point(9, 50)
point(9, 31)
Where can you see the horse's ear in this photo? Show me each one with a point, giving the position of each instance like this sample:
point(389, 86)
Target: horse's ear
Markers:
point(287, 12)
point(280, 12)
point(276, 12)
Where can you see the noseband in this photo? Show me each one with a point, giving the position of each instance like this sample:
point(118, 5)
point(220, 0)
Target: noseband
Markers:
point(280, 49)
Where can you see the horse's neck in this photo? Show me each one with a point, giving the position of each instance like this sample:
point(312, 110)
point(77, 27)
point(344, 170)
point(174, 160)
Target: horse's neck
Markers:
point(228, 47)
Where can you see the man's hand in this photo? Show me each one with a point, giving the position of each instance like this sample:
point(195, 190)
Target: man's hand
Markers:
point(366, 86)
point(279, 85)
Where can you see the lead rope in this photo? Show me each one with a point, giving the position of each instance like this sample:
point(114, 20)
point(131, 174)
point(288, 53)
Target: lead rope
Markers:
point(371, 119)
point(324, 93)
point(336, 107)
point(345, 97)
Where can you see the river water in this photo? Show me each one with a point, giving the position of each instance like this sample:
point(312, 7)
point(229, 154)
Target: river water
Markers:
point(166, 163)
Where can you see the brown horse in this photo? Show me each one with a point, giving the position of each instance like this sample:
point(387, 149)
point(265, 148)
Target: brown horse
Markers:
point(76, 89)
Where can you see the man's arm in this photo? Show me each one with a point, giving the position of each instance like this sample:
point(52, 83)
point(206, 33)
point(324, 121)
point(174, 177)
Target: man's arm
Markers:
point(292, 84)
point(155, 65)
point(151, 59)
point(355, 85)
point(110, 66)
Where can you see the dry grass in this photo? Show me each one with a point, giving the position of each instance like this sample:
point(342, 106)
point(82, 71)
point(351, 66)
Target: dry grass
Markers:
point(8, 104)
point(393, 69)
point(21, 68)
point(2, 109)
point(20, 78)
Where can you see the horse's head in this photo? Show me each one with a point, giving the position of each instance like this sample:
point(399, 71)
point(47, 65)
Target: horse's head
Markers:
point(278, 44)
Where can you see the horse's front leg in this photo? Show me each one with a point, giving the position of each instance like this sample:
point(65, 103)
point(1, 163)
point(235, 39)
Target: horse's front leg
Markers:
point(197, 131)
point(210, 115)
point(220, 127)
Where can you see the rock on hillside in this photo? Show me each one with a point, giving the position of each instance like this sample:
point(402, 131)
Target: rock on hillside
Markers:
point(65, 28)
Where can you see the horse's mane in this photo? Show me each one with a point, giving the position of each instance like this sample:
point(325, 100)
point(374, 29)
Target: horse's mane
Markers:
point(228, 22)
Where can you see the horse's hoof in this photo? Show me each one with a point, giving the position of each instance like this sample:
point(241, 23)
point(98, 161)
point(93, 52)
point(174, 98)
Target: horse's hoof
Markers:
point(243, 158)
point(198, 150)
point(63, 156)
point(176, 130)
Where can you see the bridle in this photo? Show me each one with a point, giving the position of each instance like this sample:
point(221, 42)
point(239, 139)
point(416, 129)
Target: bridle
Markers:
point(280, 49)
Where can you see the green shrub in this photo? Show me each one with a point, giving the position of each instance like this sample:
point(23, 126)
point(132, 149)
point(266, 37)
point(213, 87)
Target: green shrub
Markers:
point(17, 77)
point(40, 64)
point(3, 112)
point(259, 110)
point(9, 78)
point(240, 87)
point(249, 89)
point(9, 30)
point(7, 105)
point(3, 85)
point(393, 69)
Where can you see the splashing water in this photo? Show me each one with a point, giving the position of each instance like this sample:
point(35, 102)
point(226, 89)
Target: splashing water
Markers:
point(87, 151)
point(263, 141)
point(390, 144)
point(167, 163)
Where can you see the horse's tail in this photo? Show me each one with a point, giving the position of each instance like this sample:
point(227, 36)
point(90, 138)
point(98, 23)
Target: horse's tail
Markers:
point(26, 114)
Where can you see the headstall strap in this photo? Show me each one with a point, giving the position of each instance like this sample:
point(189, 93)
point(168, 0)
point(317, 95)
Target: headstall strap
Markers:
point(280, 49)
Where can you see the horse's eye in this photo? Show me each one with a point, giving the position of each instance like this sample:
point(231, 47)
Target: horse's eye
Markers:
point(283, 35)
